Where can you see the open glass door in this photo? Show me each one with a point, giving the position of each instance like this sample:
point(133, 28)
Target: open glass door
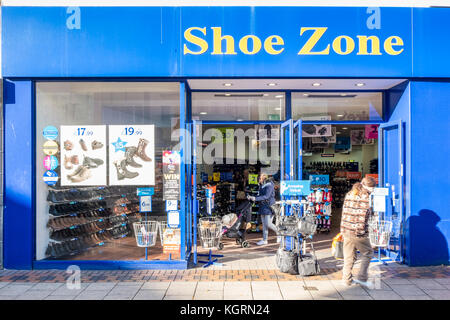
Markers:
point(287, 166)
point(391, 175)
point(193, 180)
point(297, 149)
point(286, 152)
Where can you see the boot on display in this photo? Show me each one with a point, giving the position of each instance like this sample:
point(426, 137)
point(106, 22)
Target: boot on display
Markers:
point(141, 150)
point(130, 153)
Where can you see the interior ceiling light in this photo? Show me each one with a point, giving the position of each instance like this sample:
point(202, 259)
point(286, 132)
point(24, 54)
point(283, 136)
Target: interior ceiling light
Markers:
point(279, 96)
point(277, 109)
point(227, 84)
point(316, 84)
point(360, 84)
point(338, 132)
point(272, 84)
point(345, 128)
point(239, 120)
point(305, 94)
point(343, 94)
point(227, 94)
point(203, 112)
point(265, 94)
point(340, 115)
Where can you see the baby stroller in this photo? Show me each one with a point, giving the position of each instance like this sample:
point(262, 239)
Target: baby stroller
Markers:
point(232, 223)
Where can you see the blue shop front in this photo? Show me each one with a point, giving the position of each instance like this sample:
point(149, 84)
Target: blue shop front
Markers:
point(106, 110)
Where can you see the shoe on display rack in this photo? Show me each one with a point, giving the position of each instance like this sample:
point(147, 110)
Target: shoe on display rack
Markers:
point(83, 145)
point(96, 145)
point(92, 162)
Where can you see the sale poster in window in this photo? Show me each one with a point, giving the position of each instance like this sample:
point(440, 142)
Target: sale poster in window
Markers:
point(132, 155)
point(83, 155)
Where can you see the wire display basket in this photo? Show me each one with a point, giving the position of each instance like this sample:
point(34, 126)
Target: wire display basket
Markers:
point(145, 232)
point(210, 232)
point(380, 232)
point(162, 225)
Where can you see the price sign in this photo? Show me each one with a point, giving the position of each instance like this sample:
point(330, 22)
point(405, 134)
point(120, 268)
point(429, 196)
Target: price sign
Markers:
point(145, 204)
point(173, 219)
point(319, 179)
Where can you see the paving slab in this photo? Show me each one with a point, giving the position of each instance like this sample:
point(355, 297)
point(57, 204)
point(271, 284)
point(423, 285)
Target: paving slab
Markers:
point(407, 289)
point(438, 294)
point(182, 289)
point(384, 295)
point(15, 289)
point(209, 295)
point(92, 295)
point(178, 297)
point(47, 286)
point(64, 297)
point(428, 284)
point(99, 286)
point(210, 285)
point(357, 297)
point(119, 297)
point(145, 294)
point(34, 295)
point(421, 297)
point(156, 285)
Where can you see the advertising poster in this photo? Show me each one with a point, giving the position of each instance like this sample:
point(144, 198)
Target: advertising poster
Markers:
point(171, 175)
point(267, 132)
point(357, 137)
point(316, 130)
point(83, 155)
point(371, 131)
point(342, 144)
point(330, 139)
point(171, 240)
point(132, 155)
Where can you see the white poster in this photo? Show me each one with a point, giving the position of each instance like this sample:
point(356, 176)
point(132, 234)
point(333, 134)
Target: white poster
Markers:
point(316, 130)
point(83, 155)
point(331, 139)
point(132, 155)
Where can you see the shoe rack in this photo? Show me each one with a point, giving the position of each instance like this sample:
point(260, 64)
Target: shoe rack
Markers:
point(83, 218)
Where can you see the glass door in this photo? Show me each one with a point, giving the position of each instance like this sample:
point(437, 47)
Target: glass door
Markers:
point(297, 149)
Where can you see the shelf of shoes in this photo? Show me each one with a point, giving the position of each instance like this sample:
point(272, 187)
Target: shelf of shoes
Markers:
point(253, 190)
point(320, 204)
point(87, 217)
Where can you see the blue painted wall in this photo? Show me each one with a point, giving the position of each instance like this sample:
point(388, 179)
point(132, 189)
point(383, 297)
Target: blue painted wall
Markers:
point(428, 227)
point(19, 185)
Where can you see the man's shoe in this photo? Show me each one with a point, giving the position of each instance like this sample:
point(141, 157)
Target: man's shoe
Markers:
point(261, 243)
point(366, 284)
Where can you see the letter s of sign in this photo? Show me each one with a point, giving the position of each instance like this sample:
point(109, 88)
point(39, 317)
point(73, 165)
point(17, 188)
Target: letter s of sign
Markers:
point(188, 36)
point(312, 41)
point(374, 21)
point(74, 20)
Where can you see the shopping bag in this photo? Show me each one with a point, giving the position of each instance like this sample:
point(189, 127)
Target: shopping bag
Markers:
point(337, 247)
point(307, 225)
point(307, 264)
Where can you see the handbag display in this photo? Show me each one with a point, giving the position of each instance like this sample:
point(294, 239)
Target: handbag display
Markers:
point(307, 225)
point(307, 264)
point(287, 261)
point(287, 226)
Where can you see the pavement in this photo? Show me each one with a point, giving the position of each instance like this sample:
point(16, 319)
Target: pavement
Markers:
point(250, 276)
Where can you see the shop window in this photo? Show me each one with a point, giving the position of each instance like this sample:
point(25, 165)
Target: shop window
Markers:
point(338, 106)
point(97, 145)
point(238, 106)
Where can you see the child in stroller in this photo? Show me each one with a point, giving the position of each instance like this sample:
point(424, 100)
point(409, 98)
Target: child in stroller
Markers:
point(232, 223)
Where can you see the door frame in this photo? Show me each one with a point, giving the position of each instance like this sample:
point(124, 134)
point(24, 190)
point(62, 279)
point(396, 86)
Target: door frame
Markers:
point(394, 125)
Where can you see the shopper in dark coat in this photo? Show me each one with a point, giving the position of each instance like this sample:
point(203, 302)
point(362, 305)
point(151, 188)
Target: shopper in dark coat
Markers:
point(265, 198)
